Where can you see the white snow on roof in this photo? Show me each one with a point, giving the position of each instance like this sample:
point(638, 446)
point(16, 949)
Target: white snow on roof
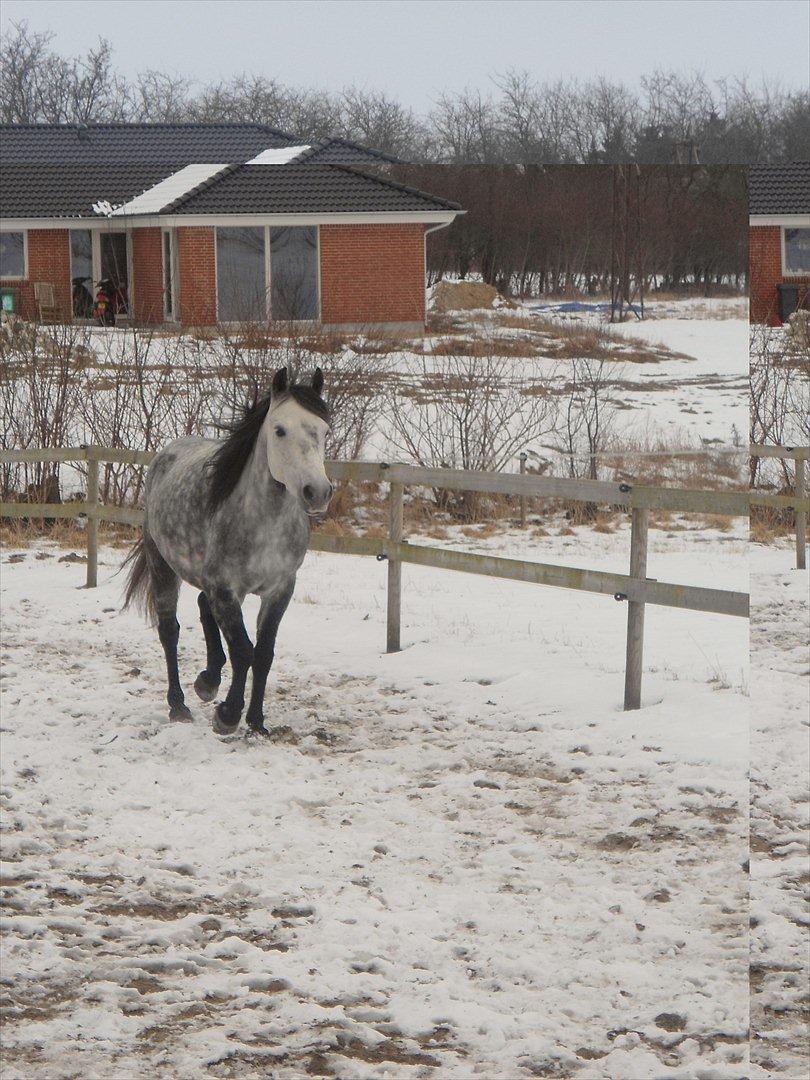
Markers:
point(277, 156)
point(154, 199)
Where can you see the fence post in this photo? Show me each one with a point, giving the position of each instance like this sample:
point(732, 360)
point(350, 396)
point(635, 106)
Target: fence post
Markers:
point(394, 571)
point(523, 497)
point(801, 517)
point(92, 520)
point(635, 611)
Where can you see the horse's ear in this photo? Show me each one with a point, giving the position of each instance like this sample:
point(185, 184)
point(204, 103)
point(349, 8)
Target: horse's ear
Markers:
point(279, 382)
point(317, 381)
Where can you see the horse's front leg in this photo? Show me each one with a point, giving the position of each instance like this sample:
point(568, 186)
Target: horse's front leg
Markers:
point(270, 616)
point(227, 611)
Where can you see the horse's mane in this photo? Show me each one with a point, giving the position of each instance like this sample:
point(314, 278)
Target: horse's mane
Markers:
point(229, 459)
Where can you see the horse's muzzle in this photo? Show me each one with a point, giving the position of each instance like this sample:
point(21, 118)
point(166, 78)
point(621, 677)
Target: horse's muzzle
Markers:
point(315, 497)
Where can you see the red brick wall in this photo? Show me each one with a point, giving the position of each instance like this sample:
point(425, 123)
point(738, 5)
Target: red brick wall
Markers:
point(765, 271)
point(372, 273)
point(197, 270)
point(48, 261)
point(147, 275)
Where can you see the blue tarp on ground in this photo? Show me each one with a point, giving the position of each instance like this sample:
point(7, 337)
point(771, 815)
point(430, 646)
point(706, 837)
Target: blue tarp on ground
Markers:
point(575, 306)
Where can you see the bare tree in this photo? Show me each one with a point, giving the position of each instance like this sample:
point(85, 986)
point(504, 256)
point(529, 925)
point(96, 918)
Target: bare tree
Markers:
point(37, 84)
point(521, 121)
point(472, 412)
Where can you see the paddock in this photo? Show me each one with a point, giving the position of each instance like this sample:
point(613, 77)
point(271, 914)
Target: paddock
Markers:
point(461, 855)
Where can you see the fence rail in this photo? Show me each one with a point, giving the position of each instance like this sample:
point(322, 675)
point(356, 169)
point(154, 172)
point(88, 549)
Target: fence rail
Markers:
point(799, 454)
point(635, 588)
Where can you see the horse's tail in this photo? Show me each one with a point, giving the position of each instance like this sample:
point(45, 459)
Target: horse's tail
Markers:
point(138, 589)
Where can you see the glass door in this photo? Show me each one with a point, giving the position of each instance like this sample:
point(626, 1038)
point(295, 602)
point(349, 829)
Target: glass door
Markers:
point(81, 273)
point(114, 272)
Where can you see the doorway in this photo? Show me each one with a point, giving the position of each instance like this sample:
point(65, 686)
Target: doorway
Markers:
point(114, 267)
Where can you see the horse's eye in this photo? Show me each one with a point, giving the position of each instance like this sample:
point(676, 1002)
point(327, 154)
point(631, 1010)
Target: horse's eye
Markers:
point(280, 432)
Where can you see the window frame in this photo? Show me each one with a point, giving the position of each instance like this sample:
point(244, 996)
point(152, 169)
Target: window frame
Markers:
point(268, 271)
point(93, 266)
point(786, 272)
point(172, 276)
point(239, 322)
point(24, 275)
point(269, 228)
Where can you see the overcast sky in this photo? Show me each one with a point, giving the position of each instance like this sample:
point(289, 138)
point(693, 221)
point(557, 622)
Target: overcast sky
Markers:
point(417, 49)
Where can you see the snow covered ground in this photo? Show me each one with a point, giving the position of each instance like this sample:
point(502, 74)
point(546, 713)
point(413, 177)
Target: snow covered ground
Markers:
point(780, 814)
point(463, 860)
point(460, 860)
point(701, 393)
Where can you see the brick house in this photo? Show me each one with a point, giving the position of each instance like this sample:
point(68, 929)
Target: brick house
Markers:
point(198, 224)
point(778, 240)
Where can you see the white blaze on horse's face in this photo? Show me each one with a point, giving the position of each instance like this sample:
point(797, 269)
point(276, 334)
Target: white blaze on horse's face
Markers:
point(295, 439)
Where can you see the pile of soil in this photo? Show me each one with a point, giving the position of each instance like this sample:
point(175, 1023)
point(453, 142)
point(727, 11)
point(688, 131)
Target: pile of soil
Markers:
point(463, 296)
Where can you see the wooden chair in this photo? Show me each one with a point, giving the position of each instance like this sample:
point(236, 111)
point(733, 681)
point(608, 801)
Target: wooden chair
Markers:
point(47, 307)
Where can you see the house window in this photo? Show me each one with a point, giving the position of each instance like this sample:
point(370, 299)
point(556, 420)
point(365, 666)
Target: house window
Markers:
point(12, 255)
point(241, 277)
point(294, 273)
point(81, 272)
point(169, 277)
point(796, 251)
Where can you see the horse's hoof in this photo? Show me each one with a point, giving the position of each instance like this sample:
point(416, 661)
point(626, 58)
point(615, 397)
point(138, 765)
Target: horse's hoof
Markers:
point(204, 688)
point(221, 725)
point(180, 712)
point(258, 729)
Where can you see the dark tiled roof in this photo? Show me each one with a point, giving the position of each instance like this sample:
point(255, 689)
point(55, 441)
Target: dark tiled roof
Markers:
point(305, 189)
point(70, 190)
point(169, 145)
point(779, 189)
point(343, 152)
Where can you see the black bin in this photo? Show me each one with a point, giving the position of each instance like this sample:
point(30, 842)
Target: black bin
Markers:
point(788, 300)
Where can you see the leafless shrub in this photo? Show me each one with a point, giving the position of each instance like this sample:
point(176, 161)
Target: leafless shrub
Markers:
point(589, 416)
point(248, 357)
point(472, 412)
point(153, 391)
point(779, 400)
point(39, 397)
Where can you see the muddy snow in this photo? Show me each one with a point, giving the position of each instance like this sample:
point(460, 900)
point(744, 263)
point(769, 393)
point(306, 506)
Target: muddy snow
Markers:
point(780, 815)
point(460, 860)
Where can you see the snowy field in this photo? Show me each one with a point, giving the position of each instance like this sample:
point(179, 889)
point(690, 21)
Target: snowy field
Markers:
point(780, 814)
point(460, 860)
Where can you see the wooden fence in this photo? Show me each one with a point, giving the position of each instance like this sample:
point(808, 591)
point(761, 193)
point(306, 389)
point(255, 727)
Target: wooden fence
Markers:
point(635, 588)
point(799, 454)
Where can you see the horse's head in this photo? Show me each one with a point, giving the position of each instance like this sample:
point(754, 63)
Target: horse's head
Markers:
point(295, 428)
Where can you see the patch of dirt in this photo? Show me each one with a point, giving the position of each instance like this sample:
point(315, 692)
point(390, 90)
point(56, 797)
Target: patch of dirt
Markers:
point(670, 1021)
point(168, 912)
point(385, 1051)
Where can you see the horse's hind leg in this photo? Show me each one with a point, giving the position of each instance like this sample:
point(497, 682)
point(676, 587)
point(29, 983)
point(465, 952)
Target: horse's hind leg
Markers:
point(207, 682)
point(165, 586)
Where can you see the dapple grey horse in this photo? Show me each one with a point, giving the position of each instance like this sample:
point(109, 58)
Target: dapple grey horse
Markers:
point(231, 517)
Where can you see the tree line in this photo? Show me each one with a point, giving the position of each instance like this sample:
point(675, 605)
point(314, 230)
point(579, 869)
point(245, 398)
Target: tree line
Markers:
point(530, 230)
point(669, 117)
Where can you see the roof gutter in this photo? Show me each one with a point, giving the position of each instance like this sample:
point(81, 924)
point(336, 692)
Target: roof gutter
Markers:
point(799, 221)
point(145, 221)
